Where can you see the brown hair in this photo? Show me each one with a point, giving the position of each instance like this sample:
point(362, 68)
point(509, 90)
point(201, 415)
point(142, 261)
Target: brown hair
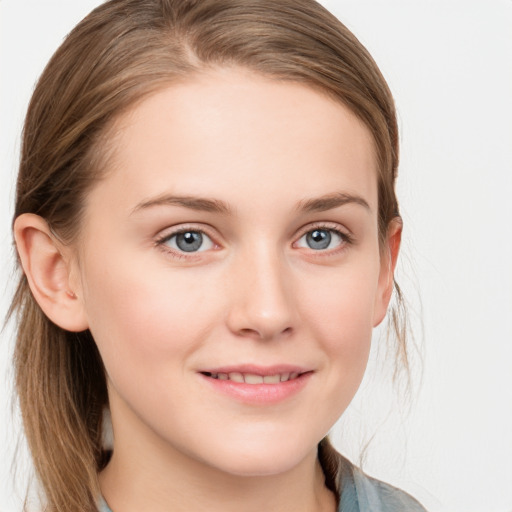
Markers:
point(117, 55)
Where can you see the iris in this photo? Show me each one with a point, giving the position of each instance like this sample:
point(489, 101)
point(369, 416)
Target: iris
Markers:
point(189, 241)
point(318, 239)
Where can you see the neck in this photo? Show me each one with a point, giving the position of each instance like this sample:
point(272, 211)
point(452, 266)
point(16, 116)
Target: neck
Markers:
point(152, 476)
point(130, 489)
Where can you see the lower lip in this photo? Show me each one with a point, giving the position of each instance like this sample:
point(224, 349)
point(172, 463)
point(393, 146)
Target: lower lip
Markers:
point(259, 393)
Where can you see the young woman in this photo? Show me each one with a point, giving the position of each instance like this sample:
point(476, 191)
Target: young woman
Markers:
point(207, 226)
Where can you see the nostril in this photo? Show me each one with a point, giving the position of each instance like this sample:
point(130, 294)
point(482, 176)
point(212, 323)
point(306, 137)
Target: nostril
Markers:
point(249, 332)
point(263, 333)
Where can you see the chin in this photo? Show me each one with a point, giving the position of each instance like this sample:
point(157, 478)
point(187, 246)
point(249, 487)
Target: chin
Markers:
point(256, 459)
point(269, 465)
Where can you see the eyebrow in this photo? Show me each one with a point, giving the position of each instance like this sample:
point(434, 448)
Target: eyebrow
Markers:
point(331, 201)
point(317, 204)
point(193, 203)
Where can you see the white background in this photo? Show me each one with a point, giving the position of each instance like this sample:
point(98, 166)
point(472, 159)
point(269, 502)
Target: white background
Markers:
point(449, 64)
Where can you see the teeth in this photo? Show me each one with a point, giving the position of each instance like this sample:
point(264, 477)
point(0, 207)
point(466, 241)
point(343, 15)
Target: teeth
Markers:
point(251, 378)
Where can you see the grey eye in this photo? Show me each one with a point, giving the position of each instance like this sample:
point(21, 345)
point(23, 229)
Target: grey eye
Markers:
point(190, 241)
point(320, 239)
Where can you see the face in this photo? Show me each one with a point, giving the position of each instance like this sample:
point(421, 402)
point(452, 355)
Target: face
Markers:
point(230, 271)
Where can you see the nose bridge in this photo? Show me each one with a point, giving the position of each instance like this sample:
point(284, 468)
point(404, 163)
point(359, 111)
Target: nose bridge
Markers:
point(262, 303)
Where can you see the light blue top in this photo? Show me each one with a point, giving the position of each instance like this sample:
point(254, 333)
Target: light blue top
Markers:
point(359, 493)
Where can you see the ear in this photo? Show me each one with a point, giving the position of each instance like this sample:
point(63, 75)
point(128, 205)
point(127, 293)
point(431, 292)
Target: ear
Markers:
point(47, 264)
point(389, 257)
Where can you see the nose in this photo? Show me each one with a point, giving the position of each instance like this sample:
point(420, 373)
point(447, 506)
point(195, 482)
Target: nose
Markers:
point(262, 302)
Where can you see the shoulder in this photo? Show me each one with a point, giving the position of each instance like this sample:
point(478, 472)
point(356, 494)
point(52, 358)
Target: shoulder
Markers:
point(362, 493)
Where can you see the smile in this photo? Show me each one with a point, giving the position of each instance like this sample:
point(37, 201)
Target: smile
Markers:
point(257, 385)
point(252, 378)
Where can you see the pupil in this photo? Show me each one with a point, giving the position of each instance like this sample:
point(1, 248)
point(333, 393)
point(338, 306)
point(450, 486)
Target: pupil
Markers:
point(189, 241)
point(318, 239)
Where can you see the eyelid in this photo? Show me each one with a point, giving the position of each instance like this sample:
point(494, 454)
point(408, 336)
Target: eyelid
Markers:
point(344, 233)
point(166, 234)
point(327, 226)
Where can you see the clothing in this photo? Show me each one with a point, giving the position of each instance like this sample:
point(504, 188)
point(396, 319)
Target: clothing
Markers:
point(360, 493)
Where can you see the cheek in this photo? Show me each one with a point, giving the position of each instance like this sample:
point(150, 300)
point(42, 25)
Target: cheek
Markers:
point(339, 319)
point(143, 318)
point(340, 310)
point(341, 302)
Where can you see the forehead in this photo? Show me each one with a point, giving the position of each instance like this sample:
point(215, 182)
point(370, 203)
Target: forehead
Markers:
point(230, 133)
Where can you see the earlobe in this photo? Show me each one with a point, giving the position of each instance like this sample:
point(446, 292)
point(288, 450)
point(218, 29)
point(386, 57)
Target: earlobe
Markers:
point(48, 272)
point(387, 270)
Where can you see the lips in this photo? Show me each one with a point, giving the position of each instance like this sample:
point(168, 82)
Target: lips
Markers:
point(258, 385)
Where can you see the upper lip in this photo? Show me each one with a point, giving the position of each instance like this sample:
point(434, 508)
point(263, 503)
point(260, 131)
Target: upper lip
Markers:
point(257, 370)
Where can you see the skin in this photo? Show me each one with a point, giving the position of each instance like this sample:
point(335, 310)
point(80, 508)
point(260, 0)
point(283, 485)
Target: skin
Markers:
point(256, 292)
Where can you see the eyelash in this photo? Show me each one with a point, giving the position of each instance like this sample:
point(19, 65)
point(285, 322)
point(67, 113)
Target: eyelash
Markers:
point(347, 239)
point(162, 240)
